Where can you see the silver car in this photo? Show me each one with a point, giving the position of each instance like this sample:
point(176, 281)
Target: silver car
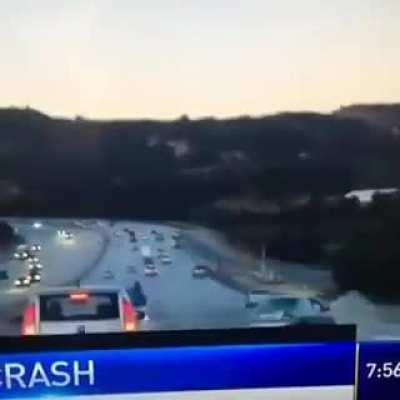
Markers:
point(283, 310)
point(69, 310)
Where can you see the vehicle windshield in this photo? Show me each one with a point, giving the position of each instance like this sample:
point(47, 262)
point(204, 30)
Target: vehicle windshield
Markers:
point(286, 305)
point(62, 307)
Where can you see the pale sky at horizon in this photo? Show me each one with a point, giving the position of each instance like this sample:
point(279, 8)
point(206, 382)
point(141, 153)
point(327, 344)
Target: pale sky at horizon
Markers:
point(166, 58)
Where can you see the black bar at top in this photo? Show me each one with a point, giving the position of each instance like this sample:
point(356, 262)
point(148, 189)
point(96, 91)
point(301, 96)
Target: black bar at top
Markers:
point(285, 335)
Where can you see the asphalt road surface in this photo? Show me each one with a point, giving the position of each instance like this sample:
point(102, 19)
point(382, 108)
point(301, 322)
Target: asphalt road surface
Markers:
point(176, 300)
point(101, 253)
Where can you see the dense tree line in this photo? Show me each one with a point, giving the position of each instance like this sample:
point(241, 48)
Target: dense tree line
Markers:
point(369, 260)
point(8, 238)
point(133, 168)
point(181, 170)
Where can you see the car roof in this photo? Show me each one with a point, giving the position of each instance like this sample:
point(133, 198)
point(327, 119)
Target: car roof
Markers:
point(277, 295)
point(69, 289)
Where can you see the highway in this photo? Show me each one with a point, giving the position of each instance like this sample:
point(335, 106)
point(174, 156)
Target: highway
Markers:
point(175, 299)
point(101, 253)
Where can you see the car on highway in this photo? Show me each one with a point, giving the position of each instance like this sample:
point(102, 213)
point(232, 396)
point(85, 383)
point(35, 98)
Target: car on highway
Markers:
point(148, 261)
point(32, 266)
point(131, 269)
point(35, 248)
point(21, 255)
point(138, 297)
point(254, 297)
point(284, 310)
point(23, 281)
point(108, 274)
point(71, 310)
point(166, 259)
point(176, 244)
point(35, 269)
point(151, 270)
point(200, 271)
point(34, 276)
point(159, 237)
point(176, 234)
point(33, 259)
point(132, 238)
point(3, 275)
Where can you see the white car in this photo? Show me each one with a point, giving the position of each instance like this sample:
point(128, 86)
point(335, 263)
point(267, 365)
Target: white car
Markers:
point(23, 281)
point(69, 310)
point(166, 260)
point(33, 260)
point(200, 271)
point(36, 247)
point(283, 310)
point(35, 276)
point(150, 270)
point(32, 266)
point(176, 234)
point(21, 255)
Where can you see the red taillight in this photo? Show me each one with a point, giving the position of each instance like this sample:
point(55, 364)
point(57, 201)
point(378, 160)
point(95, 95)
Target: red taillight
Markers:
point(79, 297)
point(29, 321)
point(129, 316)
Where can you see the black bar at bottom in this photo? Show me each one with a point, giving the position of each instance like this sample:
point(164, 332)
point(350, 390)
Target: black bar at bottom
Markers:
point(202, 337)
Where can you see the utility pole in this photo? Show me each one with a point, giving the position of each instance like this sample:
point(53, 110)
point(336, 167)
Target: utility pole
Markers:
point(264, 268)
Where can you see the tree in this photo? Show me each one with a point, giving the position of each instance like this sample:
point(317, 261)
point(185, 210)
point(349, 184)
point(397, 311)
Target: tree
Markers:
point(369, 261)
point(7, 235)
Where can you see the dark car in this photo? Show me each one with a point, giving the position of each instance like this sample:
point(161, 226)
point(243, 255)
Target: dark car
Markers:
point(148, 262)
point(3, 275)
point(137, 296)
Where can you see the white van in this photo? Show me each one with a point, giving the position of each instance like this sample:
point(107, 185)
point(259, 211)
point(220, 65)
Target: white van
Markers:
point(66, 310)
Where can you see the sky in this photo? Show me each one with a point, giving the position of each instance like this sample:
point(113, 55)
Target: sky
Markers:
point(166, 58)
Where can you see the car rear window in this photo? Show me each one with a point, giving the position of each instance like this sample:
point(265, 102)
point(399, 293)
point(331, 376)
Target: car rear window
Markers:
point(63, 307)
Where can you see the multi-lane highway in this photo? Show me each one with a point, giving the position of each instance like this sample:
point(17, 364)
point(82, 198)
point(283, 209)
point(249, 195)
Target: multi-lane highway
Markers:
point(101, 253)
point(176, 300)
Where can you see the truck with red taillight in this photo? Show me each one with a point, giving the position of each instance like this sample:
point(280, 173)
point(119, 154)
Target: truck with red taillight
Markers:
point(66, 310)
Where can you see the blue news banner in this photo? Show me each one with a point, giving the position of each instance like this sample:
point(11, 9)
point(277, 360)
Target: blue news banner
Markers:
point(139, 371)
point(379, 371)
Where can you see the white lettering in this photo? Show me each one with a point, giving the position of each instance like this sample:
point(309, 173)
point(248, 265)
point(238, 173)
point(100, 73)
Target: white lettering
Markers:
point(57, 371)
point(89, 372)
point(38, 376)
point(14, 372)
